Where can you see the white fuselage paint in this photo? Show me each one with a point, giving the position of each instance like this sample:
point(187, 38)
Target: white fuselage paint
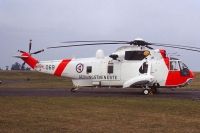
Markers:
point(123, 70)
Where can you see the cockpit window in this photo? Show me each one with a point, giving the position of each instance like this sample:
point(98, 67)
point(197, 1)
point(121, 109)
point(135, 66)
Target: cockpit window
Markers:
point(174, 66)
point(184, 69)
point(182, 65)
point(134, 55)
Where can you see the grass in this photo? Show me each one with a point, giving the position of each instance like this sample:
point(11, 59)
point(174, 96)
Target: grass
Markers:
point(91, 114)
point(20, 79)
point(196, 82)
point(100, 114)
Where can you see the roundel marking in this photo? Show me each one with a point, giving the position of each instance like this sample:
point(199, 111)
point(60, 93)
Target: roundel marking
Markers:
point(79, 67)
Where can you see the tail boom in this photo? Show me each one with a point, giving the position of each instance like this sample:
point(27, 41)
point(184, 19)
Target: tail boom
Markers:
point(26, 57)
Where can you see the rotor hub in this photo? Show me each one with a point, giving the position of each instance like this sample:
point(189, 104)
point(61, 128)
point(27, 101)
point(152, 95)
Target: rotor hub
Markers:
point(139, 42)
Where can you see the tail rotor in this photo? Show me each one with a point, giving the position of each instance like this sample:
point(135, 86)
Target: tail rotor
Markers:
point(30, 53)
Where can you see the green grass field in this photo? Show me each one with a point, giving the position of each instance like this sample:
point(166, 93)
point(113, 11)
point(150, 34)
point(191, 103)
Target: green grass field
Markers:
point(99, 115)
point(91, 114)
point(196, 82)
point(20, 79)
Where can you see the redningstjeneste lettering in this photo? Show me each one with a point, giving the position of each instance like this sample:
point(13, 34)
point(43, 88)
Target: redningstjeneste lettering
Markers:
point(106, 77)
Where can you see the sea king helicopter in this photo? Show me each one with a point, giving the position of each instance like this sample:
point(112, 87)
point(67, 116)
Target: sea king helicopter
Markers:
point(134, 65)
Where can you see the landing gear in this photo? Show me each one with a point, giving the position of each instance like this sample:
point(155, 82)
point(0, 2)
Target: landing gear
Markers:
point(154, 90)
point(146, 91)
point(150, 90)
point(74, 89)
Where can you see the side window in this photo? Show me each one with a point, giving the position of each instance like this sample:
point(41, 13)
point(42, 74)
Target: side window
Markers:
point(89, 69)
point(143, 68)
point(110, 68)
point(135, 55)
point(174, 66)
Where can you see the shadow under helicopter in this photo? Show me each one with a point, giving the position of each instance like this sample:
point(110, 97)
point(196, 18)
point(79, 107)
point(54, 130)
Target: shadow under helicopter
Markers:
point(104, 92)
point(137, 92)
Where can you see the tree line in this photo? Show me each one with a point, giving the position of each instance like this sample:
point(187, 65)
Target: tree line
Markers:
point(18, 66)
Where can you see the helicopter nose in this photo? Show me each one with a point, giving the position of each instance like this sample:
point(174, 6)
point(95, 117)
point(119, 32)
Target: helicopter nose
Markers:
point(192, 74)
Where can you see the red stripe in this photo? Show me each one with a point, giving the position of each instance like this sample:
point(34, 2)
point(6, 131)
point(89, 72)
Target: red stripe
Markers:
point(30, 60)
point(61, 67)
point(166, 59)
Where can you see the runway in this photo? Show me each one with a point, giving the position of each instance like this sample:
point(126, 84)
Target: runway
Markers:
point(102, 92)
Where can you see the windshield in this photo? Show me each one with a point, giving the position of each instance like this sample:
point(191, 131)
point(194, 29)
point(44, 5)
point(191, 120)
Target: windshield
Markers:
point(184, 69)
point(182, 65)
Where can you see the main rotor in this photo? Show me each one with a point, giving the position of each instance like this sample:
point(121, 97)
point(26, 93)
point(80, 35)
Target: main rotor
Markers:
point(136, 42)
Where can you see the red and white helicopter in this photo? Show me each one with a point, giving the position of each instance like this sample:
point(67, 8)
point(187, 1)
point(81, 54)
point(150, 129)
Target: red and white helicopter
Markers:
point(133, 65)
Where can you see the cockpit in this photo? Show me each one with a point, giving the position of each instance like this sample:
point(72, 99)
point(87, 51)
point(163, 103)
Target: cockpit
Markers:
point(177, 65)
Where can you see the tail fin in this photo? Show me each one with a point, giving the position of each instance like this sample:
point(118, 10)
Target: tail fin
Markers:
point(26, 57)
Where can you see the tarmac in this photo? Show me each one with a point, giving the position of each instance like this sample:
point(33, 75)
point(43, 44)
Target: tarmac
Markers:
point(103, 92)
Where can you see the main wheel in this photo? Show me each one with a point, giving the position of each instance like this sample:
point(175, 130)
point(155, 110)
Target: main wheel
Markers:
point(154, 90)
point(73, 90)
point(146, 91)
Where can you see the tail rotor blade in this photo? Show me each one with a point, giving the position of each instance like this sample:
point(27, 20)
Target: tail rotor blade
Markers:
point(30, 46)
point(38, 52)
point(21, 51)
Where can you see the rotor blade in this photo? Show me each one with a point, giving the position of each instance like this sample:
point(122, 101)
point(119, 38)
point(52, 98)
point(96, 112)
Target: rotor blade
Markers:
point(21, 51)
point(148, 47)
point(88, 44)
point(100, 41)
point(183, 46)
point(30, 46)
point(38, 52)
point(176, 47)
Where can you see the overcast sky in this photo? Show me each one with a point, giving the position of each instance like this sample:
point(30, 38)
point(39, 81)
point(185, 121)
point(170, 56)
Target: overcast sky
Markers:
point(48, 22)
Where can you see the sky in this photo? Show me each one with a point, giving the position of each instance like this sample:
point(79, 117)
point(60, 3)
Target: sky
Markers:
point(49, 22)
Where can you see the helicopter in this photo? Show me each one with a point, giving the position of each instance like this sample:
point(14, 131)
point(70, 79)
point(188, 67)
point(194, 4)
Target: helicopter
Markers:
point(134, 65)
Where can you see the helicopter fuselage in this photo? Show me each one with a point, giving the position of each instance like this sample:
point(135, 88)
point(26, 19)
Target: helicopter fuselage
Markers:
point(129, 66)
